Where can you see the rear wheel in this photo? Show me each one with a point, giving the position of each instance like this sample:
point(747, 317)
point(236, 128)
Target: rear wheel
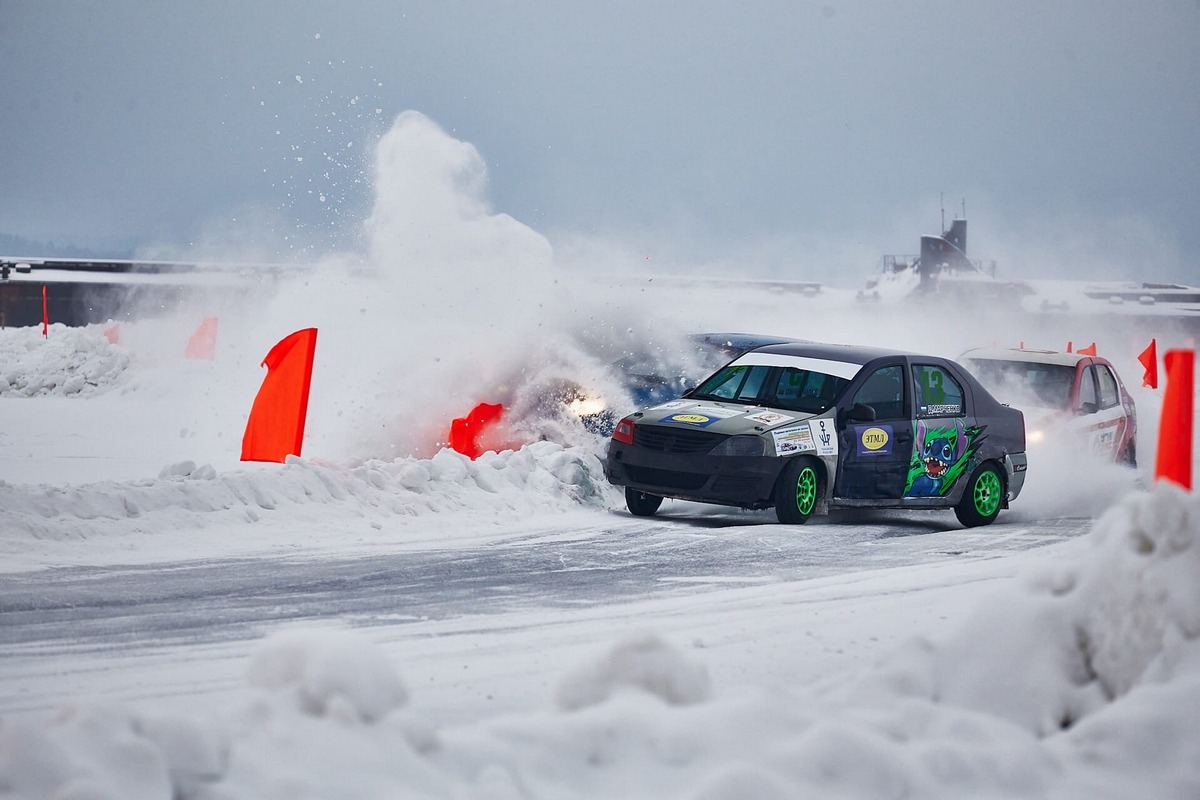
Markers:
point(798, 490)
point(641, 504)
point(981, 501)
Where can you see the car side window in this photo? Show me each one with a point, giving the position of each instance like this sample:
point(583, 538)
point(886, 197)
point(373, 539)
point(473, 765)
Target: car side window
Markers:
point(1109, 396)
point(883, 391)
point(1087, 391)
point(938, 393)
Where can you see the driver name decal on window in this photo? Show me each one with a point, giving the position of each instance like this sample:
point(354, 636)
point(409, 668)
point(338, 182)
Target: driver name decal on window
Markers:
point(954, 409)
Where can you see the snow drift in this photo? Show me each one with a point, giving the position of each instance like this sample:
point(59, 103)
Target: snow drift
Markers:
point(1081, 679)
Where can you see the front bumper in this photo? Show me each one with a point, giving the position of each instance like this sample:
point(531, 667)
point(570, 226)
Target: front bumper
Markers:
point(745, 481)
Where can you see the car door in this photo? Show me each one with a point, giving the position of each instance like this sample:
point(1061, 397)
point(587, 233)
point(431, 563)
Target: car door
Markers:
point(1101, 415)
point(876, 445)
point(944, 435)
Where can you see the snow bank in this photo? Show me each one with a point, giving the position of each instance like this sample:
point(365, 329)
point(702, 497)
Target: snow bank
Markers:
point(71, 362)
point(537, 477)
point(1079, 679)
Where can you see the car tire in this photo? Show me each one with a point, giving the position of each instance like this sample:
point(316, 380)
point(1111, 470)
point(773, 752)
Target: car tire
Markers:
point(981, 500)
point(799, 490)
point(641, 504)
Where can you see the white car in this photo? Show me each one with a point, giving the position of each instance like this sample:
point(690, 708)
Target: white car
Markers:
point(1075, 394)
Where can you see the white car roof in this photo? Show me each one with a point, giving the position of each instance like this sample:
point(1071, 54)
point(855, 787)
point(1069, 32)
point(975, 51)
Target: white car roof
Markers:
point(842, 369)
point(1020, 354)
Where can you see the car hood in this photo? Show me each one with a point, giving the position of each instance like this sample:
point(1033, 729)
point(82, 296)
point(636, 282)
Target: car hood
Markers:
point(726, 418)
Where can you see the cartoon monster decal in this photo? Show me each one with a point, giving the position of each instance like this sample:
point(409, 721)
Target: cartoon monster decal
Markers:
point(940, 457)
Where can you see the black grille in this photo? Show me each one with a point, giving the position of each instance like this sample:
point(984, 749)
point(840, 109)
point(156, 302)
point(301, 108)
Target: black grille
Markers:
point(675, 440)
point(646, 476)
point(735, 484)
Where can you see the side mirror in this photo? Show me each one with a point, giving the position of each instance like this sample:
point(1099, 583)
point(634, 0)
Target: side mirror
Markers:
point(861, 412)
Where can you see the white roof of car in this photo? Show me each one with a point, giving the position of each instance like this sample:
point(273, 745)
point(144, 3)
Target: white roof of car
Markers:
point(842, 369)
point(1021, 354)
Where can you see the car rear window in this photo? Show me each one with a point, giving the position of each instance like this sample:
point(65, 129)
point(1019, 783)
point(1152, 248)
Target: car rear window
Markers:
point(1025, 382)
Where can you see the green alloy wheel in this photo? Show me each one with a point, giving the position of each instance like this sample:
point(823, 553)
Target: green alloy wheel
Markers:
point(798, 491)
point(983, 497)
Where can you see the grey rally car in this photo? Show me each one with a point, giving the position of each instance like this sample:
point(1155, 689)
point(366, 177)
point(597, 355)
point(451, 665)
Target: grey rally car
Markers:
point(809, 427)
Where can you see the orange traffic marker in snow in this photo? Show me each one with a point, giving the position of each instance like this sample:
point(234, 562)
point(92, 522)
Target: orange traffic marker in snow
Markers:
point(1090, 350)
point(1174, 462)
point(1149, 360)
point(203, 343)
point(275, 428)
point(465, 432)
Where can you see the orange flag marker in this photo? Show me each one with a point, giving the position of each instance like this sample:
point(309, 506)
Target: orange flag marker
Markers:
point(1090, 350)
point(203, 343)
point(1149, 359)
point(1174, 461)
point(465, 432)
point(275, 428)
point(45, 314)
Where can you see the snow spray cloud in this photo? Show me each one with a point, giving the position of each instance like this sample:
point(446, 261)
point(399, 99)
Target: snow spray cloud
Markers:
point(431, 316)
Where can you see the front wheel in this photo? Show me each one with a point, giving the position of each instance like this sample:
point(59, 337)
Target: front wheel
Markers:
point(981, 501)
point(798, 491)
point(641, 504)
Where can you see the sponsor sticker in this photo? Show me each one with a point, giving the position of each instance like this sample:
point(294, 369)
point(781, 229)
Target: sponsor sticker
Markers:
point(824, 436)
point(699, 420)
point(874, 440)
point(793, 440)
point(769, 417)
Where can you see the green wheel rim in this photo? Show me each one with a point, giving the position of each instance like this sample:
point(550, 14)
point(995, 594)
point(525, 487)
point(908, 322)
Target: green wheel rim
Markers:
point(806, 490)
point(987, 494)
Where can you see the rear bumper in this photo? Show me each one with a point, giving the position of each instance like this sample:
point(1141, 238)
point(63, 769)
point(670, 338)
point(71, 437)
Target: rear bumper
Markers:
point(748, 482)
point(1015, 466)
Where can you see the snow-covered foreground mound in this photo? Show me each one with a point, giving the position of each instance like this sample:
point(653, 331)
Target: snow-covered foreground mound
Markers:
point(1079, 680)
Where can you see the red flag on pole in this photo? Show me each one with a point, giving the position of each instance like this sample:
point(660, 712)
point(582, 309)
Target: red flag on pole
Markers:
point(275, 428)
point(203, 343)
point(45, 314)
point(1149, 359)
point(1090, 350)
point(1174, 462)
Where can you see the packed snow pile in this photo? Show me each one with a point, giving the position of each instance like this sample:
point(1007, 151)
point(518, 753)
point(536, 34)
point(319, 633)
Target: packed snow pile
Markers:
point(71, 362)
point(538, 477)
point(1078, 680)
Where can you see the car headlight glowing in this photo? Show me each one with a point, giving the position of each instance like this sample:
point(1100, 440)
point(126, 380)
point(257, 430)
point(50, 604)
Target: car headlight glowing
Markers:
point(739, 446)
point(1034, 436)
point(587, 406)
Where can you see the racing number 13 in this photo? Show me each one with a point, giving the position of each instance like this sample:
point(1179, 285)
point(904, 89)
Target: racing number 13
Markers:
point(931, 386)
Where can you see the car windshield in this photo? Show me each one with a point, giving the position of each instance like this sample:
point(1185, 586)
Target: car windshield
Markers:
point(789, 388)
point(1026, 383)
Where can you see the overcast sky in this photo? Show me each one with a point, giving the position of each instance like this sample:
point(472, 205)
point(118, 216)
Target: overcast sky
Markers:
point(764, 136)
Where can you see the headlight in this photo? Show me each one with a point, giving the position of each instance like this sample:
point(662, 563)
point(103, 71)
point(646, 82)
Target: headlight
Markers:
point(1034, 436)
point(587, 406)
point(739, 446)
